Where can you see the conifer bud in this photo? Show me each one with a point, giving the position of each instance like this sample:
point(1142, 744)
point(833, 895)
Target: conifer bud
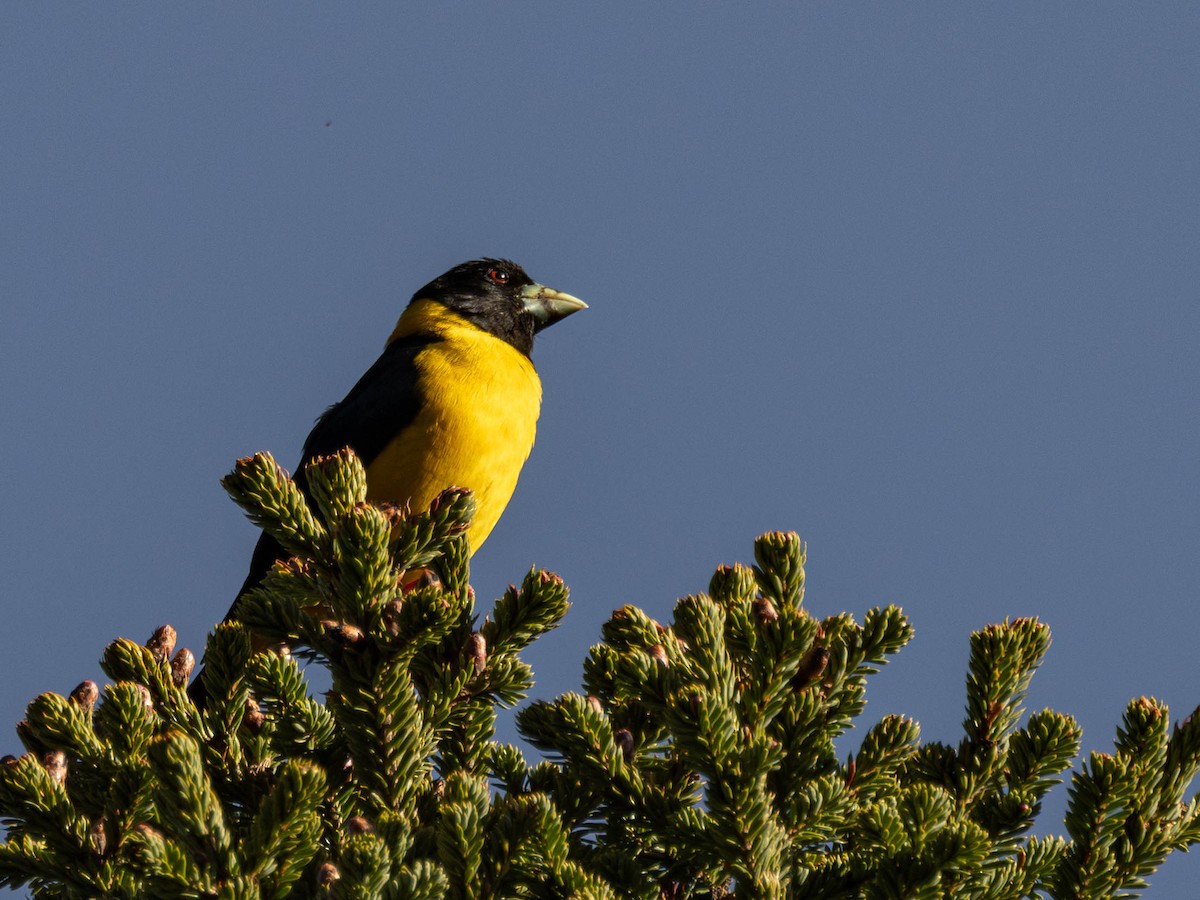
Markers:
point(476, 651)
point(55, 764)
point(182, 664)
point(358, 825)
point(345, 635)
point(764, 611)
point(328, 874)
point(394, 513)
point(659, 655)
point(85, 694)
point(594, 704)
point(147, 699)
point(392, 612)
point(624, 741)
point(98, 836)
point(162, 642)
point(253, 718)
point(811, 667)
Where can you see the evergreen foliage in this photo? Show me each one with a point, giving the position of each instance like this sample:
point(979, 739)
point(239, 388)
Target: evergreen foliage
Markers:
point(698, 761)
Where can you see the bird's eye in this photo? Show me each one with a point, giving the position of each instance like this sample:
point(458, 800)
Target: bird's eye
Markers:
point(497, 276)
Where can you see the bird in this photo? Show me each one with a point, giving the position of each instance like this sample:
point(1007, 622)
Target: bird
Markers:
point(453, 400)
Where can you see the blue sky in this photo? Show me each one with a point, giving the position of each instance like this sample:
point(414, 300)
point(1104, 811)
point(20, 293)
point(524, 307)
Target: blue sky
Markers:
point(917, 281)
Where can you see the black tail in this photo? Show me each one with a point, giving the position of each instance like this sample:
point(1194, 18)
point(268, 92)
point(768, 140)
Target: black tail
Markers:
point(266, 552)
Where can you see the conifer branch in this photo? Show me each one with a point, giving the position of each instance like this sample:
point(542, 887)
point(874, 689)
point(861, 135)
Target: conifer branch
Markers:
point(704, 757)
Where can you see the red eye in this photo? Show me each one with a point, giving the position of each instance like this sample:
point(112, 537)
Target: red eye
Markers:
point(497, 276)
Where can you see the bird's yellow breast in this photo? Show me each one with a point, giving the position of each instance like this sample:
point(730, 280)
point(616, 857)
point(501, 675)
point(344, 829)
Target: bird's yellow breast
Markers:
point(480, 399)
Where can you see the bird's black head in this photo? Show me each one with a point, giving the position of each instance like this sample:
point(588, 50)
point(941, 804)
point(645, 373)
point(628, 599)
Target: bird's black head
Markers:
point(500, 298)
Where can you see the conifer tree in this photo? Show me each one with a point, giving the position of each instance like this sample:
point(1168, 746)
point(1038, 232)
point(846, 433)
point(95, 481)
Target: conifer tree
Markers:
point(699, 759)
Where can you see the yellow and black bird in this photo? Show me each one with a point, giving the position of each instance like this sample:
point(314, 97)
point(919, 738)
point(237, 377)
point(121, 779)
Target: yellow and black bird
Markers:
point(452, 401)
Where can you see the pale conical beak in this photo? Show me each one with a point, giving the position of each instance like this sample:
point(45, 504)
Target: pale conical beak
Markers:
point(547, 305)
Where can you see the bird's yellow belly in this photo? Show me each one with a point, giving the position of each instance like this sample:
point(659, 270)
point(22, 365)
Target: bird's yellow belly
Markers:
point(475, 429)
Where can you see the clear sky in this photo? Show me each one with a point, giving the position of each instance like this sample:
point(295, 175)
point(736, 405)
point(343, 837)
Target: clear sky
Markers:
point(918, 281)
